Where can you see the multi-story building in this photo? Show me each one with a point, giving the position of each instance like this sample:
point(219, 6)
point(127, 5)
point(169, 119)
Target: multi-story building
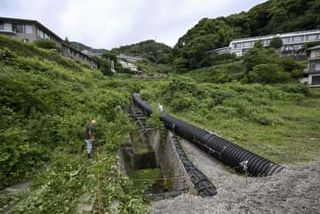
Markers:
point(128, 58)
point(312, 72)
point(32, 30)
point(292, 42)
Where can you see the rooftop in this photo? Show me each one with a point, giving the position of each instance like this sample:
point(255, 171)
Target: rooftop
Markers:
point(315, 47)
point(274, 35)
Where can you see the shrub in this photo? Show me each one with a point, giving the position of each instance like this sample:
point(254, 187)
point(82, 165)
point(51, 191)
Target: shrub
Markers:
point(214, 59)
point(47, 44)
point(276, 42)
point(182, 103)
point(268, 73)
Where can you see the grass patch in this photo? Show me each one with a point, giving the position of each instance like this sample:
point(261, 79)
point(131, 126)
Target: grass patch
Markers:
point(145, 178)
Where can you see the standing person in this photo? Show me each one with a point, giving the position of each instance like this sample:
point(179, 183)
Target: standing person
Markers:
point(160, 108)
point(89, 138)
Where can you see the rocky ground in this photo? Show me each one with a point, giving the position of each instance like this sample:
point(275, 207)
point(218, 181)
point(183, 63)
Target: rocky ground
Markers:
point(295, 190)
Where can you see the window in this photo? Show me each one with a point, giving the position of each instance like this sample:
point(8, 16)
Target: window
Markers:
point(1, 26)
point(298, 38)
point(238, 45)
point(315, 80)
point(267, 42)
point(247, 44)
point(7, 27)
point(286, 40)
point(28, 29)
point(18, 28)
point(40, 34)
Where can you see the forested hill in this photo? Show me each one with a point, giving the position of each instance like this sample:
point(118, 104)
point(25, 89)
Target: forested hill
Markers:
point(274, 16)
point(155, 52)
point(79, 46)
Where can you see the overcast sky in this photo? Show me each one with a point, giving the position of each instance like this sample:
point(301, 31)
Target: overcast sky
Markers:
point(111, 23)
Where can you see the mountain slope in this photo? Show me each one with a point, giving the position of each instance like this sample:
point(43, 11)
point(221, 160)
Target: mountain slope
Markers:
point(155, 52)
point(79, 46)
point(274, 16)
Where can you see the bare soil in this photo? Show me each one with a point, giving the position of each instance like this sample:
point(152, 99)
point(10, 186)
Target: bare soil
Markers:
point(294, 190)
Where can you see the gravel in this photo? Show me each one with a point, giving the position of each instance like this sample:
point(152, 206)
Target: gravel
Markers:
point(294, 190)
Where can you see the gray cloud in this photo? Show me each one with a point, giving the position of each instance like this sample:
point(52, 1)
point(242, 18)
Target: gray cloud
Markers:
point(111, 23)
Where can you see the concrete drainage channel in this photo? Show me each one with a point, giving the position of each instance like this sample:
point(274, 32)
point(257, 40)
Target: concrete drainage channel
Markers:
point(146, 149)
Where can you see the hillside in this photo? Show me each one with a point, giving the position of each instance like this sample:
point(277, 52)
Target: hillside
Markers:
point(46, 100)
point(273, 16)
point(155, 52)
point(79, 46)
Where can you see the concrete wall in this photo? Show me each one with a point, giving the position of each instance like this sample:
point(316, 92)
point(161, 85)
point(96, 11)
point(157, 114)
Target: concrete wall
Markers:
point(315, 54)
point(169, 161)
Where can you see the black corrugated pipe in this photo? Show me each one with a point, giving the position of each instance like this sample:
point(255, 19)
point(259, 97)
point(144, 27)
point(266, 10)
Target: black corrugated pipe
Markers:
point(228, 153)
point(143, 105)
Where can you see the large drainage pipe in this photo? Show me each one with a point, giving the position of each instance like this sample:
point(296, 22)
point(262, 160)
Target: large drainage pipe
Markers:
point(240, 159)
point(228, 153)
point(143, 105)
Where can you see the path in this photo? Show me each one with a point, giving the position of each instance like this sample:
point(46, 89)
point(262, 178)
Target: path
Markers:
point(13, 194)
point(295, 190)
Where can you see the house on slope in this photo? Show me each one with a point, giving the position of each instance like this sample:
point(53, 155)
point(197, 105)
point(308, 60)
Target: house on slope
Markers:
point(312, 72)
point(32, 30)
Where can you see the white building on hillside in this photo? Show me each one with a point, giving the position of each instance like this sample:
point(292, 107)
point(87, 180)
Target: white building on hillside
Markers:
point(128, 58)
point(292, 42)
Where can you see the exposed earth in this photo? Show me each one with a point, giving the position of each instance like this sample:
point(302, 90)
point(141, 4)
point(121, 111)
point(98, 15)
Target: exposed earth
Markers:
point(294, 190)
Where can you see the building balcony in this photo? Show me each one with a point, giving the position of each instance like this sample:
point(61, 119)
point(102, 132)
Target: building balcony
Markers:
point(8, 32)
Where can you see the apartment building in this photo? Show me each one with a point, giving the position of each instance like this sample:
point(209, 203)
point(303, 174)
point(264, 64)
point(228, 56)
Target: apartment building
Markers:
point(132, 59)
point(32, 30)
point(292, 42)
point(312, 72)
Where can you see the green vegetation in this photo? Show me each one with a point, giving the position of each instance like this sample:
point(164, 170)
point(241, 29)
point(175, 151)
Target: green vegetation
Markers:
point(148, 67)
point(258, 65)
point(276, 43)
point(46, 44)
point(265, 66)
point(280, 122)
point(271, 17)
point(46, 101)
point(145, 178)
point(156, 53)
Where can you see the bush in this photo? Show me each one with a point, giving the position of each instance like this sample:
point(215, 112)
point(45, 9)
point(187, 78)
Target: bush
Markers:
point(276, 43)
point(268, 73)
point(214, 59)
point(288, 64)
point(47, 44)
point(182, 103)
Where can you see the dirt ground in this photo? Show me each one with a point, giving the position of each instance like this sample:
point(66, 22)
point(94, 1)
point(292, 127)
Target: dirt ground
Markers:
point(295, 190)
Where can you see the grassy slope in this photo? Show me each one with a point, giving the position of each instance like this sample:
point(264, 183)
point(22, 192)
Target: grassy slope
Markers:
point(46, 100)
point(280, 122)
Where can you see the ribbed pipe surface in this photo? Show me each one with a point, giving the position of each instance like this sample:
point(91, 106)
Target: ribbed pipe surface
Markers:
point(240, 159)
